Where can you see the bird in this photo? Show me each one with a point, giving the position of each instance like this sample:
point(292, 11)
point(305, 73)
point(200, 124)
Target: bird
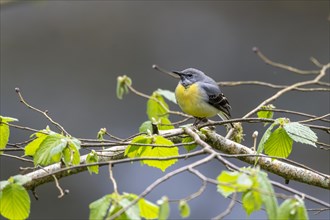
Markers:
point(200, 96)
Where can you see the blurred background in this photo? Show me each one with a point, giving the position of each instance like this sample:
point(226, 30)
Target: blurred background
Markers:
point(65, 56)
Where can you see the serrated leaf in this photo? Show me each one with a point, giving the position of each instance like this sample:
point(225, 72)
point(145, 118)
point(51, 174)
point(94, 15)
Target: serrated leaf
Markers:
point(188, 147)
point(132, 150)
point(164, 208)
point(184, 209)
point(293, 209)
point(157, 109)
point(148, 210)
point(251, 201)
point(31, 148)
point(50, 150)
point(169, 95)
point(267, 195)
point(146, 127)
point(92, 157)
point(230, 182)
point(98, 209)
point(300, 133)
point(160, 152)
point(265, 137)
point(15, 202)
point(279, 144)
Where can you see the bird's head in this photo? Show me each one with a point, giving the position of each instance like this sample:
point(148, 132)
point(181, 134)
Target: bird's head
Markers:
point(190, 76)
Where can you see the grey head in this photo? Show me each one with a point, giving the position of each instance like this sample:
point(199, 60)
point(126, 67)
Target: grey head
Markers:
point(190, 76)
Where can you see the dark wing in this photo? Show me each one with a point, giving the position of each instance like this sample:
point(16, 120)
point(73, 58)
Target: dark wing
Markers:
point(217, 98)
point(220, 102)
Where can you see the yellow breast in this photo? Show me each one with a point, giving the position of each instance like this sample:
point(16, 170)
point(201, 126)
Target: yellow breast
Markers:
point(193, 102)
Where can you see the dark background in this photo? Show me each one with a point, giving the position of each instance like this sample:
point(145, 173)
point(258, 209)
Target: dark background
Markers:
point(65, 56)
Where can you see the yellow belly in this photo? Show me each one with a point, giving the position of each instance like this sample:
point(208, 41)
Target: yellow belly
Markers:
point(192, 102)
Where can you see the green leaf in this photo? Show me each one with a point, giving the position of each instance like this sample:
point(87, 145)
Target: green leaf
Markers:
point(165, 124)
point(164, 208)
point(15, 202)
point(92, 157)
point(184, 209)
point(98, 209)
point(133, 151)
point(146, 127)
point(300, 133)
point(132, 212)
point(169, 95)
point(251, 201)
point(230, 182)
point(7, 119)
point(157, 109)
point(160, 152)
point(265, 112)
point(148, 210)
point(265, 137)
point(122, 83)
point(293, 209)
point(267, 195)
point(279, 143)
point(101, 133)
point(4, 131)
point(188, 147)
point(71, 155)
point(34, 145)
point(4, 136)
point(50, 150)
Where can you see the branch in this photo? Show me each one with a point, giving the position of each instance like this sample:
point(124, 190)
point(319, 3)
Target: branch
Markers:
point(285, 170)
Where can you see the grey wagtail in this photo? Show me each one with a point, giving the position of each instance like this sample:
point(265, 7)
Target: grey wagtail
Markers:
point(200, 96)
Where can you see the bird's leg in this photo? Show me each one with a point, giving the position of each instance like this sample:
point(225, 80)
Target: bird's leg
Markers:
point(198, 120)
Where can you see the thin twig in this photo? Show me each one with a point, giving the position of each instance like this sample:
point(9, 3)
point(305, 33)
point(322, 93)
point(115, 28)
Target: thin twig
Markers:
point(156, 67)
point(114, 183)
point(282, 66)
point(58, 187)
point(228, 210)
point(161, 180)
point(45, 113)
point(297, 113)
point(270, 85)
point(315, 119)
point(16, 157)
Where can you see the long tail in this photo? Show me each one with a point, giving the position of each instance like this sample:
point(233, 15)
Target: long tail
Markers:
point(225, 117)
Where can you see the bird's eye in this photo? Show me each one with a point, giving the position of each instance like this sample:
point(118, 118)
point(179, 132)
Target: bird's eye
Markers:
point(189, 75)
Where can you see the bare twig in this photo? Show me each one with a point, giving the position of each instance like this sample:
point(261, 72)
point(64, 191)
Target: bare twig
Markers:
point(270, 85)
point(16, 157)
point(45, 113)
point(156, 67)
point(229, 208)
point(58, 187)
point(282, 66)
point(114, 183)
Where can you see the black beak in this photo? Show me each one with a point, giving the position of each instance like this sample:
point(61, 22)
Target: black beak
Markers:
point(177, 73)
